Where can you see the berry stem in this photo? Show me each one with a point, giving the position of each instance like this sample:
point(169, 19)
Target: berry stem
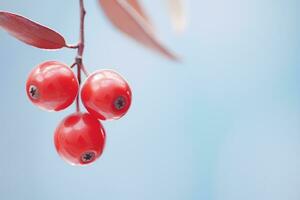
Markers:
point(80, 49)
point(79, 81)
point(81, 40)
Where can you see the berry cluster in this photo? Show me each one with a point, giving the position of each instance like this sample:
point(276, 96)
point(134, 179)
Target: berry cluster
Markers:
point(80, 138)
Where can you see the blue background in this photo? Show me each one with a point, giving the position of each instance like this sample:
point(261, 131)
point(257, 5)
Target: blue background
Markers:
point(223, 125)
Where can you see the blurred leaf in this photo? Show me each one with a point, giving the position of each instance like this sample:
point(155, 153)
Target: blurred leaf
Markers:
point(127, 19)
point(31, 32)
point(178, 14)
point(137, 6)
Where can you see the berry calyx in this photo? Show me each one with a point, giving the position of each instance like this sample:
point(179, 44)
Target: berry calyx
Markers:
point(80, 139)
point(52, 86)
point(106, 95)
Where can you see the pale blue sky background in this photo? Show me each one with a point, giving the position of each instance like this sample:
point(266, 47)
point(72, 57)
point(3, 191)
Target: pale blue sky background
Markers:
point(224, 125)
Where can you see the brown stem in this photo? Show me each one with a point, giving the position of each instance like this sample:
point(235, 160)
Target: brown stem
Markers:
point(79, 81)
point(81, 39)
point(80, 49)
point(73, 65)
point(86, 73)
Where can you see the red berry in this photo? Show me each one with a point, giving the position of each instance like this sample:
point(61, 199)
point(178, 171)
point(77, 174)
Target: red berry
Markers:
point(79, 139)
point(106, 95)
point(52, 86)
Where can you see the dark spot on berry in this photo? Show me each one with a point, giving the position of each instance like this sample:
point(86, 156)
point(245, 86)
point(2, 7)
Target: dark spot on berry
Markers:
point(34, 92)
point(120, 103)
point(88, 157)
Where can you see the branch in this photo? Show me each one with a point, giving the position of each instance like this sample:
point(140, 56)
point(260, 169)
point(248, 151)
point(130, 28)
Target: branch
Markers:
point(80, 51)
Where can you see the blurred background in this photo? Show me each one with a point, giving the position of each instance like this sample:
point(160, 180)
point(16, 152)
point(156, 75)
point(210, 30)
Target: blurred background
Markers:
point(221, 125)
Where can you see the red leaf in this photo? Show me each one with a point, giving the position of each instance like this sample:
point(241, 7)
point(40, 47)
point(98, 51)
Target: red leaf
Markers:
point(31, 32)
point(129, 21)
point(136, 5)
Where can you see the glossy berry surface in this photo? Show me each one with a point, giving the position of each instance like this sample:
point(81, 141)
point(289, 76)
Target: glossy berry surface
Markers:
point(52, 86)
point(80, 139)
point(106, 95)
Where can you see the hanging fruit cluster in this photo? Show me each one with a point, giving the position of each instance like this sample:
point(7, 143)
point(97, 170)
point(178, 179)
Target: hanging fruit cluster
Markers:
point(53, 86)
point(79, 138)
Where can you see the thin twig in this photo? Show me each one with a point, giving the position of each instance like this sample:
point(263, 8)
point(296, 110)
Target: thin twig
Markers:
point(79, 81)
point(73, 65)
point(82, 17)
point(86, 73)
point(80, 49)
